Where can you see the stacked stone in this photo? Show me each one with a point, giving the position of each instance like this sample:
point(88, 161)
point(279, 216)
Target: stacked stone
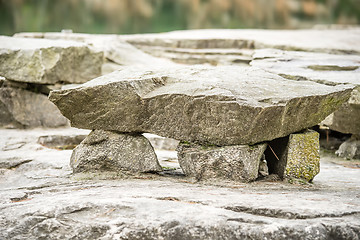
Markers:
point(330, 63)
point(31, 68)
point(226, 118)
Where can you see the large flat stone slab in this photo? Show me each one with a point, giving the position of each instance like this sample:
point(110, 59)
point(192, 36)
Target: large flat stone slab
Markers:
point(324, 68)
point(218, 105)
point(312, 40)
point(115, 49)
point(48, 61)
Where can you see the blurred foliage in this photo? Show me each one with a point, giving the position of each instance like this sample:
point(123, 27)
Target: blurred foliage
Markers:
point(139, 16)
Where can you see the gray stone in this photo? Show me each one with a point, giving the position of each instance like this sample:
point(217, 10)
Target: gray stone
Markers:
point(329, 69)
point(117, 51)
point(219, 56)
point(328, 41)
point(22, 108)
point(217, 105)
point(116, 152)
point(48, 61)
point(322, 68)
point(350, 149)
point(347, 118)
point(296, 156)
point(263, 167)
point(236, 163)
point(61, 141)
point(315, 40)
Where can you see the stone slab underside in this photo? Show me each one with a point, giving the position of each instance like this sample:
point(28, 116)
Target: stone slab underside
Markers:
point(222, 105)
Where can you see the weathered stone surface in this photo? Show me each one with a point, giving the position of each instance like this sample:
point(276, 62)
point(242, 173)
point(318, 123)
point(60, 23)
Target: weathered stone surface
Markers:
point(111, 151)
point(297, 156)
point(116, 50)
point(218, 105)
point(211, 56)
point(61, 141)
point(48, 61)
point(347, 118)
point(324, 68)
point(350, 149)
point(329, 41)
point(22, 108)
point(43, 200)
point(237, 163)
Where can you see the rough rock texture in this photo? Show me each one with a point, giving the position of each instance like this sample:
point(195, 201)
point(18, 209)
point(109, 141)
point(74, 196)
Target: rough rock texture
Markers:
point(116, 51)
point(61, 141)
point(237, 163)
point(41, 199)
point(324, 68)
point(350, 149)
point(111, 151)
point(297, 156)
point(22, 108)
point(218, 105)
point(328, 41)
point(347, 118)
point(48, 61)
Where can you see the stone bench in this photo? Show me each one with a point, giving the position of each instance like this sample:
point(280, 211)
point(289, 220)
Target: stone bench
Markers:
point(226, 117)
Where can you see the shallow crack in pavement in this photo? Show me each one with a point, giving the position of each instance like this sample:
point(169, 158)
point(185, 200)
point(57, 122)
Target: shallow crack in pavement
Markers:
point(278, 213)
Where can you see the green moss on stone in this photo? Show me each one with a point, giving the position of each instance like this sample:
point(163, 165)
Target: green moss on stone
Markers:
point(303, 160)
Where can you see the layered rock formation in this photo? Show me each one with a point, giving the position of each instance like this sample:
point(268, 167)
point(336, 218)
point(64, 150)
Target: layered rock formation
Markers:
point(31, 68)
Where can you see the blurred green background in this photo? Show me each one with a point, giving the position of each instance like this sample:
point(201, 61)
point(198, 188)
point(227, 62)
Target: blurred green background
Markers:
point(142, 16)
